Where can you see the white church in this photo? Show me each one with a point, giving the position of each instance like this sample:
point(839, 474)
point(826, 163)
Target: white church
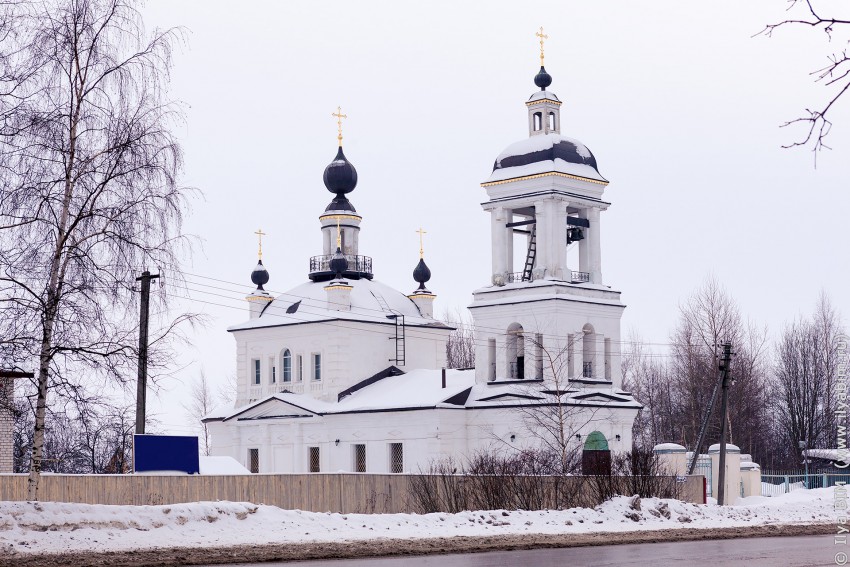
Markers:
point(344, 373)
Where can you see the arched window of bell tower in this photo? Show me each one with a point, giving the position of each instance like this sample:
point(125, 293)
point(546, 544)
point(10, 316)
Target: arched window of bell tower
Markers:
point(588, 350)
point(552, 122)
point(538, 121)
point(516, 352)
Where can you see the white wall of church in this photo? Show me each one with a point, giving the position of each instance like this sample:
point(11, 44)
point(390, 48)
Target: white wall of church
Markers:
point(425, 436)
point(349, 352)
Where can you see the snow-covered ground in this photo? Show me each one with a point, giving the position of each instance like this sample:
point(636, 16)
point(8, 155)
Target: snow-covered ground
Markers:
point(56, 527)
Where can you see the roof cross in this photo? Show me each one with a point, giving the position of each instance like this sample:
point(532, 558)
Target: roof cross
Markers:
point(339, 116)
point(260, 234)
point(421, 249)
point(542, 37)
point(338, 235)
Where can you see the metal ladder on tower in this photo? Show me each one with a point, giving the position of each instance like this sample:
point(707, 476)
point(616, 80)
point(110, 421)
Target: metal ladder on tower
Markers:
point(398, 318)
point(531, 255)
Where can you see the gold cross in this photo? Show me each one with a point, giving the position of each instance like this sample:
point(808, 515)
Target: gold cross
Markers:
point(260, 234)
point(542, 36)
point(338, 234)
point(339, 116)
point(421, 250)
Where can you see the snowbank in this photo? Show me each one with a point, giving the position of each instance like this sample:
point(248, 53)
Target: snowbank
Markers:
point(56, 527)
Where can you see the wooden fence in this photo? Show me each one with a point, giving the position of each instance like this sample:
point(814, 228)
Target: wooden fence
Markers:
point(320, 492)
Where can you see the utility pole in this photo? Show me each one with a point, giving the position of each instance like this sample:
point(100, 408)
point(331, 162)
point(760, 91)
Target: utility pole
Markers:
point(142, 386)
point(724, 368)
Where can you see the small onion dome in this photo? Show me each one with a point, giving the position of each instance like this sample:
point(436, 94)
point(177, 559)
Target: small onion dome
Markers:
point(338, 263)
point(542, 79)
point(260, 276)
point(421, 273)
point(340, 176)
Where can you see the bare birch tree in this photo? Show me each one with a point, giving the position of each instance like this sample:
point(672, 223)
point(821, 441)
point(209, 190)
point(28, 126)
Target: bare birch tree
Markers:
point(89, 170)
point(460, 348)
point(835, 75)
point(806, 367)
point(201, 402)
point(554, 418)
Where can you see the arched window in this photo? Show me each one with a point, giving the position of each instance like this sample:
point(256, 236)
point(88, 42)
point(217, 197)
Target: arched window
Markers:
point(551, 121)
point(516, 352)
point(538, 121)
point(588, 351)
point(286, 363)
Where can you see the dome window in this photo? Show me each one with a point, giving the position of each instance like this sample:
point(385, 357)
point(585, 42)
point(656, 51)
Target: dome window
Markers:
point(538, 121)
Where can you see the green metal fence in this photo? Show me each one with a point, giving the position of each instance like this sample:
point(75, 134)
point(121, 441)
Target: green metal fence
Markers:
point(774, 483)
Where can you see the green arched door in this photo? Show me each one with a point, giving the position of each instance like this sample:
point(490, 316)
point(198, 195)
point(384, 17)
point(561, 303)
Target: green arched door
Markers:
point(596, 457)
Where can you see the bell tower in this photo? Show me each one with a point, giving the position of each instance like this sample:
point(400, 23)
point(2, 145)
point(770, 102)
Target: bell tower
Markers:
point(546, 313)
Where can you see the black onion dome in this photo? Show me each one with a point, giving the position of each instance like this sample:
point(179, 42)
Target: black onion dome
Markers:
point(340, 176)
point(421, 273)
point(542, 79)
point(260, 276)
point(548, 148)
point(338, 263)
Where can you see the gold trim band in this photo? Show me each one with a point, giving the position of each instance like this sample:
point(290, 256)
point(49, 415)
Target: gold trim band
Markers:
point(425, 295)
point(555, 173)
point(340, 217)
point(555, 102)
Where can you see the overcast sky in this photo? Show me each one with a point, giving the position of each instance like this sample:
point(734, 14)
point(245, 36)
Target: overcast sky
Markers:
point(678, 102)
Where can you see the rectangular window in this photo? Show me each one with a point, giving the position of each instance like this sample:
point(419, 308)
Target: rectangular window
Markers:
point(491, 356)
point(359, 457)
point(396, 458)
point(314, 459)
point(317, 366)
point(538, 356)
point(254, 460)
point(274, 370)
point(257, 373)
point(300, 368)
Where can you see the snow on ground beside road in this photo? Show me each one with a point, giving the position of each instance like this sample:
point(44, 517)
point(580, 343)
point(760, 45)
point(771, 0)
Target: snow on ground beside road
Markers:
point(56, 527)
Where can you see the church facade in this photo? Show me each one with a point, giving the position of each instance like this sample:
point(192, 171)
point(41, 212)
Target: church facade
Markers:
point(343, 373)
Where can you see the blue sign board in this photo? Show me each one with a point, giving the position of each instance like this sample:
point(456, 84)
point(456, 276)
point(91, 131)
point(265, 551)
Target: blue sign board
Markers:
point(165, 453)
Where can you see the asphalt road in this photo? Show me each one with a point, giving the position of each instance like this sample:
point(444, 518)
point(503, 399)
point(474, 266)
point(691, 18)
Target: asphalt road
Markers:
point(801, 551)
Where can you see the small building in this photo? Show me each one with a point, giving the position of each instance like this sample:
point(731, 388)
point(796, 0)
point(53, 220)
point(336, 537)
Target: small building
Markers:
point(7, 417)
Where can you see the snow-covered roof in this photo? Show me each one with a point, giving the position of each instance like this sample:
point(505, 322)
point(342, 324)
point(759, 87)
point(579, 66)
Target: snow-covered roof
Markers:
point(422, 389)
point(545, 153)
point(668, 447)
point(838, 455)
point(543, 95)
point(730, 448)
point(371, 301)
point(416, 389)
point(221, 465)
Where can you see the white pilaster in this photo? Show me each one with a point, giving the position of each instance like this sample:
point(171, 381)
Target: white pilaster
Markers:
point(498, 233)
point(559, 240)
point(509, 242)
point(584, 247)
point(594, 244)
point(541, 215)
